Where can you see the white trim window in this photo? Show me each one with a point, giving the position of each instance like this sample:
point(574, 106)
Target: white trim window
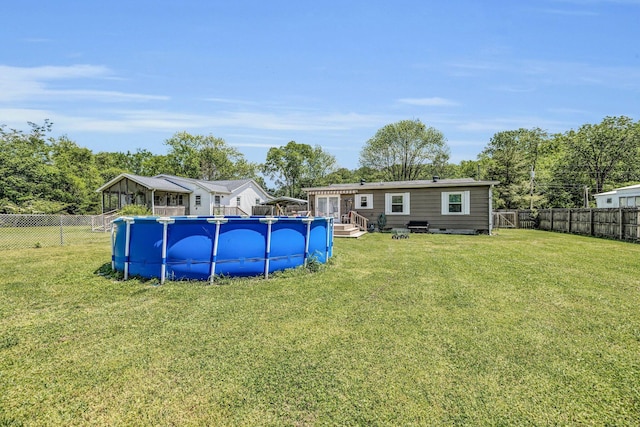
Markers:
point(198, 200)
point(397, 204)
point(456, 203)
point(364, 201)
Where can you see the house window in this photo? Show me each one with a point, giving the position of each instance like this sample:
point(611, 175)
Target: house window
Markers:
point(238, 201)
point(455, 203)
point(622, 202)
point(176, 200)
point(216, 200)
point(198, 200)
point(609, 200)
point(396, 204)
point(257, 201)
point(364, 201)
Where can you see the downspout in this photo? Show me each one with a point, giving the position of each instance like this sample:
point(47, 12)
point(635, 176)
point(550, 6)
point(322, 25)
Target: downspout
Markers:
point(490, 210)
point(153, 201)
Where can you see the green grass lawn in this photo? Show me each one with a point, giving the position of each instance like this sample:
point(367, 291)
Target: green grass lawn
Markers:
point(37, 237)
point(520, 328)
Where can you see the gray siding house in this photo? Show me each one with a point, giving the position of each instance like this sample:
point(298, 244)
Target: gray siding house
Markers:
point(449, 205)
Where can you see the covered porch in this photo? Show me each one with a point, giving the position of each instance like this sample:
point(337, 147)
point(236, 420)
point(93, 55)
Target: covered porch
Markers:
point(157, 197)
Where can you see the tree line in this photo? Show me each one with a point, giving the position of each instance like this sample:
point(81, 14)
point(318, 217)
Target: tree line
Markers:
point(42, 174)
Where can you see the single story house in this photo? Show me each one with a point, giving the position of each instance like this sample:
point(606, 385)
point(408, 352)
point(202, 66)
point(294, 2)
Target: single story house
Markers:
point(623, 197)
point(449, 205)
point(172, 195)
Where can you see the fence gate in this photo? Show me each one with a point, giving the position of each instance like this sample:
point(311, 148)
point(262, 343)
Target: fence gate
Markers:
point(505, 219)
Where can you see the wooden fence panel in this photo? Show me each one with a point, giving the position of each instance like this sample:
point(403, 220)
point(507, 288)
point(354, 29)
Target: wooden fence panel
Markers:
point(617, 223)
point(580, 221)
point(526, 219)
point(544, 219)
point(560, 220)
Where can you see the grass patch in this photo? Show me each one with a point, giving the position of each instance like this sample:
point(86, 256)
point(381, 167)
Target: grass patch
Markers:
point(521, 328)
point(12, 238)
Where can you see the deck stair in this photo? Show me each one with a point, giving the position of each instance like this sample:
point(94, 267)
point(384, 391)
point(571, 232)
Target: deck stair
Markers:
point(347, 230)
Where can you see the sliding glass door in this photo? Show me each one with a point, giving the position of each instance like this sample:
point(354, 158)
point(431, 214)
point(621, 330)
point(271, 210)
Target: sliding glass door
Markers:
point(328, 206)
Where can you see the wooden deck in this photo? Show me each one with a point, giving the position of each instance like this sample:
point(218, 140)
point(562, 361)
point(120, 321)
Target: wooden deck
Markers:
point(347, 230)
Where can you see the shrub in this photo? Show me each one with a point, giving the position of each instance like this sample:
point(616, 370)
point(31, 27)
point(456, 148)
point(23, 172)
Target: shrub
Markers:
point(135, 210)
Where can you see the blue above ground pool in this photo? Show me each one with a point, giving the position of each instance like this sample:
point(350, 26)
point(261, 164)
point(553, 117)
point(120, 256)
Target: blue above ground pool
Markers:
point(200, 248)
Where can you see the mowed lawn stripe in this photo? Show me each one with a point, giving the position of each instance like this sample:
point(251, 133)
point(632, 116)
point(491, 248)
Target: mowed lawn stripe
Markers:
point(519, 328)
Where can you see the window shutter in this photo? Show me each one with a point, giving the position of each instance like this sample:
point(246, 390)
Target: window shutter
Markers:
point(466, 202)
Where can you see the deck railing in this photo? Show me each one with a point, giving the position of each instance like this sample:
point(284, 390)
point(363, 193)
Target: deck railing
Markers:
point(358, 220)
point(103, 221)
point(228, 210)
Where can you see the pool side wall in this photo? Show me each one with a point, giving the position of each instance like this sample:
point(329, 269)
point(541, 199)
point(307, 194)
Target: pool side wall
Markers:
point(245, 246)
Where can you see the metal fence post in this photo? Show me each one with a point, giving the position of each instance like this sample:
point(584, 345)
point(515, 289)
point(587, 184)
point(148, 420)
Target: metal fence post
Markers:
point(61, 234)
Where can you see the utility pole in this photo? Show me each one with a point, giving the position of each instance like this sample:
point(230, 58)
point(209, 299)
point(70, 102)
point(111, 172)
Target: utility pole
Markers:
point(533, 174)
point(586, 196)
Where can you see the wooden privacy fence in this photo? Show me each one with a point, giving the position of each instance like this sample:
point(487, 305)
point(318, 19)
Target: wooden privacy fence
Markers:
point(617, 223)
point(620, 224)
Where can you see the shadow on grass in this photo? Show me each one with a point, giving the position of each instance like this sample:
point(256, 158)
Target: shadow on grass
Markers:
point(106, 271)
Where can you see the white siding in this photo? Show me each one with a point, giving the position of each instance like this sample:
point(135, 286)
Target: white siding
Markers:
point(248, 195)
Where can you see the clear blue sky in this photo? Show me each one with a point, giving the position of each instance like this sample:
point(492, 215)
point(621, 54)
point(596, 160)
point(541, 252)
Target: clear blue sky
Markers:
point(119, 75)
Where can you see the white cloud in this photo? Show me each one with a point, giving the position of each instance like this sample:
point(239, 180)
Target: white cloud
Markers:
point(428, 102)
point(499, 124)
point(18, 117)
point(231, 101)
point(120, 121)
point(529, 75)
point(254, 145)
point(24, 84)
point(514, 89)
point(294, 121)
point(563, 110)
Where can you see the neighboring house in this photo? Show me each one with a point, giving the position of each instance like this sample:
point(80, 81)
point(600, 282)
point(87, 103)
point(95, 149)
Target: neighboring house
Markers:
point(447, 204)
point(624, 197)
point(173, 195)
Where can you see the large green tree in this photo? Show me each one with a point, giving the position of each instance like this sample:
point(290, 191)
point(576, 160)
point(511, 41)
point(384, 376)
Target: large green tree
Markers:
point(26, 170)
point(404, 150)
point(599, 152)
point(206, 157)
point(513, 157)
point(75, 177)
point(294, 165)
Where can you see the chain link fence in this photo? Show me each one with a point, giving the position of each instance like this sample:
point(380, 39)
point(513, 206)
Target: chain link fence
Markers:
point(35, 231)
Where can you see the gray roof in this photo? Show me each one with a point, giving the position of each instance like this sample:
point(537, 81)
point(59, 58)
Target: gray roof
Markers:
point(210, 186)
point(149, 182)
point(457, 182)
point(178, 184)
point(233, 184)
